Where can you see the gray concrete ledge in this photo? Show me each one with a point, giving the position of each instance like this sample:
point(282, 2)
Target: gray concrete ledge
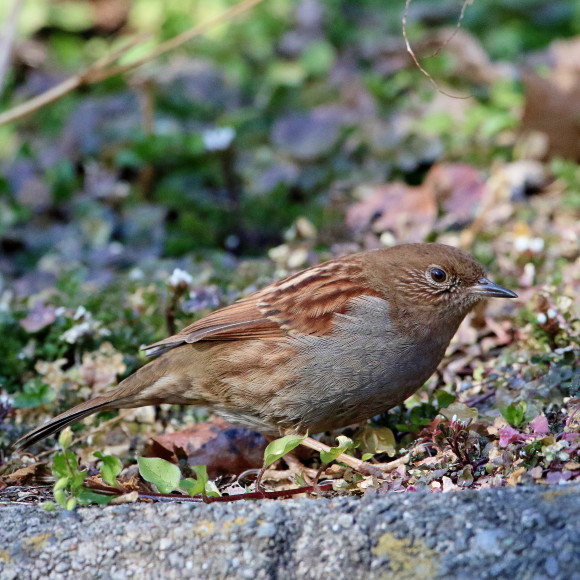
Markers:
point(516, 534)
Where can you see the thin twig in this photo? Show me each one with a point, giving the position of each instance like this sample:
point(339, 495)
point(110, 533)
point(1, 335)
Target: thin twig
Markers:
point(416, 60)
point(7, 39)
point(464, 6)
point(188, 35)
point(102, 69)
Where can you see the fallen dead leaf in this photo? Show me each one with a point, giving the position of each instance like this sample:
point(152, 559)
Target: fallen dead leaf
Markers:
point(39, 317)
point(27, 475)
point(223, 448)
point(407, 212)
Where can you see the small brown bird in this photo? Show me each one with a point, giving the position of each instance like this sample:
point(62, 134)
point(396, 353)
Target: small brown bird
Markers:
point(324, 348)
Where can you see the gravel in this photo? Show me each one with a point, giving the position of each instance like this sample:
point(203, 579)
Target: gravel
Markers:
point(511, 533)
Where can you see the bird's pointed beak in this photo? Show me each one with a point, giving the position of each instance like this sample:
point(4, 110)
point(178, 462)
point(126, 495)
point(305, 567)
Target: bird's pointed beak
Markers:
point(489, 289)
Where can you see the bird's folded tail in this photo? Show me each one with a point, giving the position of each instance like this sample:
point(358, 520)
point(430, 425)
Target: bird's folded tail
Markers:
point(61, 421)
point(129, 393)
point(152, 384)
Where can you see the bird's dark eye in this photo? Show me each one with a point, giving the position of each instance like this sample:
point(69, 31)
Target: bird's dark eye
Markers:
point(438, 275)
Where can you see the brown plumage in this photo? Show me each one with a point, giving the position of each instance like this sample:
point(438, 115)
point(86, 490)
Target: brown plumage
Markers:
point(329, 346)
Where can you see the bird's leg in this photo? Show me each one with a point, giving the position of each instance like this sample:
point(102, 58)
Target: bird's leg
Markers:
point(364, 467)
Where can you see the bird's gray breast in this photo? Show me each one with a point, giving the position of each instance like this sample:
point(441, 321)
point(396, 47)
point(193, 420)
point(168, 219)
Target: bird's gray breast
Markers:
point(362, 367)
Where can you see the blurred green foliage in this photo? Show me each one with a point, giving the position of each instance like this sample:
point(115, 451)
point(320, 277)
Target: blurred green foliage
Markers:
point(259, 68)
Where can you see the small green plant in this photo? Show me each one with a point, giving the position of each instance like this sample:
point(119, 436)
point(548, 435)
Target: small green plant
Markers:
point(280, 447)
point(514, 414)
point(200, 484)
point(167, 477)
point(345, 445)
point(110, 468)
point(69, 490)
point(34, 393)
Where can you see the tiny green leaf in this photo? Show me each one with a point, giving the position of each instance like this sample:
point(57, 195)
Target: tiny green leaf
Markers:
point(200, 473)
point(514, 414)
point(110, 468)
point(48, 506)
point(86, 496)
point(164, 475)
point(192, 486)
point(444, 399)
point(65, 437)
point(211, 489)
point(60, 497)
point(280, 447)
point(197, 485)
point(344, 443)
point(61, 483)
point(201, 483)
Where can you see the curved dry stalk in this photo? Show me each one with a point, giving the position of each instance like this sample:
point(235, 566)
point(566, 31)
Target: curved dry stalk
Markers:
point(464, 6)
point(7, 39)
point(414, 56)
point(103, 69)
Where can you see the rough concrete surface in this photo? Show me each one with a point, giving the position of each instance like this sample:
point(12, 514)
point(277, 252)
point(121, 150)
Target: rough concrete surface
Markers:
point(515, 534)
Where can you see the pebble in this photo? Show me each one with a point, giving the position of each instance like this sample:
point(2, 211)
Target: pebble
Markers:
point(266, 531)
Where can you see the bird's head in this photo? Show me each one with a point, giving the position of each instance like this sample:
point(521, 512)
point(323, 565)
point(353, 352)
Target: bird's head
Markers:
point(436, 278)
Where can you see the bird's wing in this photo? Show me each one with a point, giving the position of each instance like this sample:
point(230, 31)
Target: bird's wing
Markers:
point(304, 303)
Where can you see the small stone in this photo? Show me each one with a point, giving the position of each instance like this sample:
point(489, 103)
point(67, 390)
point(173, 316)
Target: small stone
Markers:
point(9, 573)
point(345, 521)
point(551, 566)
point(62, 567)
point(165, 543)
point(118, 574)
point(266, 531)
point(488, 541)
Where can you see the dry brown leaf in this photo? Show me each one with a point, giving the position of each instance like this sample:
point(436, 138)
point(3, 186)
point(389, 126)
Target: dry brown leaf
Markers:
point(39, 317)
point(459, 190)
point(27, 475)
point(223, 448)
point(407, 212)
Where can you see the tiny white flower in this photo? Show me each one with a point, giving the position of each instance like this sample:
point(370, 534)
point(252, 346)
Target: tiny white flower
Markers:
point(136, 274)
point(179, 277)
point(387, 239)
point(73, 334)
point(79, 313)
point(551, 313)
point(5, 398)
point(536, 244)
point(542, 318)
point(116, 248)
point(522, 243)
point(218, 139)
